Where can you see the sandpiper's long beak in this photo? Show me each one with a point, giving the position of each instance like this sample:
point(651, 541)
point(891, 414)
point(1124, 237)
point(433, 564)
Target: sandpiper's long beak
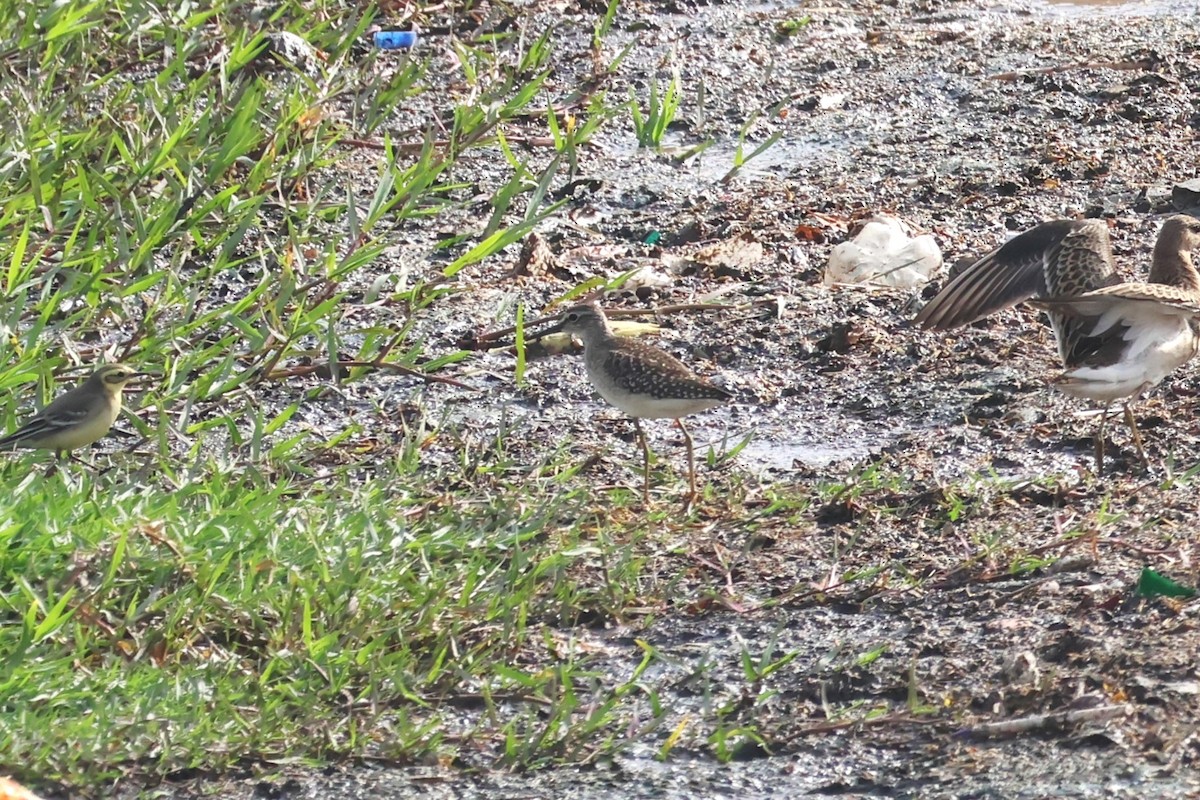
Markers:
point(532, 335)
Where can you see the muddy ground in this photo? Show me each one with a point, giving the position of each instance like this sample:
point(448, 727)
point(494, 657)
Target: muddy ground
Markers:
point(958, 460)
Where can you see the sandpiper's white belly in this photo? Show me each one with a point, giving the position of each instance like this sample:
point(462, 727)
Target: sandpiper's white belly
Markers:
point(660, 398)
point(644, 407)
point(1154, 352)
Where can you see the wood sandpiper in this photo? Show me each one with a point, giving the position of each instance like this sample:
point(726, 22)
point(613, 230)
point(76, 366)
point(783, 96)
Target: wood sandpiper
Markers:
point(639, 379)
point(1115, 339)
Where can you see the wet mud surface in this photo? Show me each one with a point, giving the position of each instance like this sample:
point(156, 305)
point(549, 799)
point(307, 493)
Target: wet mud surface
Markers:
point(993, 570)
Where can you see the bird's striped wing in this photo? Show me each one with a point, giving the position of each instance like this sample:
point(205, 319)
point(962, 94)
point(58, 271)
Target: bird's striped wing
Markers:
point(1051, 260)
point(48, 423)
point(1054, 258)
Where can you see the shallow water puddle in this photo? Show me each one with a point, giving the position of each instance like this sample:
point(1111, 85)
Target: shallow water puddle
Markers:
point(780, 456)
point(782, 449)
point(719, 160)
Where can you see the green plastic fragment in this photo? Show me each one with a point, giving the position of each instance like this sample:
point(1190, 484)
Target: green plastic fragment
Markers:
point(1151, 584)
point(653, 237)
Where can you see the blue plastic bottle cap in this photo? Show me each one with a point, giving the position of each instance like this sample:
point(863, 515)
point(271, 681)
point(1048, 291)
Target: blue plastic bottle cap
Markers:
point(395, 40)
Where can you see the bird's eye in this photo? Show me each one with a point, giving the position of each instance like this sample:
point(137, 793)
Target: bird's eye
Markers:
point(573, 316)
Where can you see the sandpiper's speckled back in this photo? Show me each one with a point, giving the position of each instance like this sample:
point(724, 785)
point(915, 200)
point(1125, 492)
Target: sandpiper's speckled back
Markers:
point(638, 378)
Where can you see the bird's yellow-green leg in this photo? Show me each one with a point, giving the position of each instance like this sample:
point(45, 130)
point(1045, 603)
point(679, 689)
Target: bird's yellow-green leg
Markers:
point(641, 434)
point(1137, 437)
point(1100, 441)
point(691, 460)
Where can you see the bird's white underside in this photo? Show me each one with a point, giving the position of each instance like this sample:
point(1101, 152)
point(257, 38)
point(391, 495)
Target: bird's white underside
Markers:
point(1158, 345)
point(654, 408)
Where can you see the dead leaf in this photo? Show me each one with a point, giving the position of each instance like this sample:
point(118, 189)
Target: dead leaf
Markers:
point(810, 233)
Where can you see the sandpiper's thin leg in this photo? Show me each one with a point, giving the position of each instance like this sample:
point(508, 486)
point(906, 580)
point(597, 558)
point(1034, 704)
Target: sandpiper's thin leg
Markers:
point(1137, 437)
point(691, 456)
point(645, 461)
point(1100, 441)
